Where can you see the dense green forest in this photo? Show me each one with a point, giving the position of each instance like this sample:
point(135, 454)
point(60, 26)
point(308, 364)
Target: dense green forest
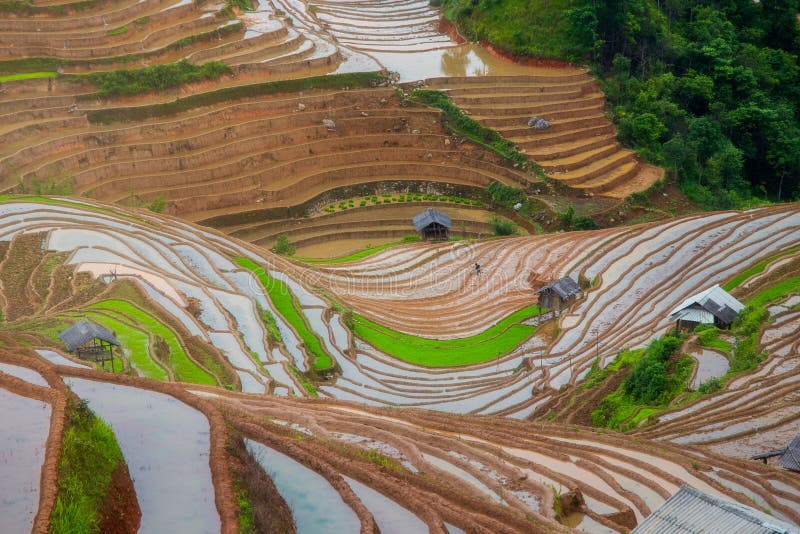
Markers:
point(708, 90)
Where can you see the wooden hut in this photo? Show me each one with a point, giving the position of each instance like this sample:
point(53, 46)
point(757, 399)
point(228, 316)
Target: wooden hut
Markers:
point(432, 225)
point(90, 342)
point(559, 293)
point(788, 457)
point(712, 306)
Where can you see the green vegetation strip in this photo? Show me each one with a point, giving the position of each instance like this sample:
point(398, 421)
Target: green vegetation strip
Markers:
point(139, 113)
point(89, 456)
point(184, 369)
point(137, 344)
point(155, 77)
point(358, 255)
point(465, 125)
point(286, 304)
point(498, 340)
point(657, 377)
point(757, 268)
point(27, 76)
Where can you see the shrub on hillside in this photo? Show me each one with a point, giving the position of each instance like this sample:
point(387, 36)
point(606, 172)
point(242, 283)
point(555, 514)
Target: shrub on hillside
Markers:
point(650, 379)
point(283, 246)
point(502, 227)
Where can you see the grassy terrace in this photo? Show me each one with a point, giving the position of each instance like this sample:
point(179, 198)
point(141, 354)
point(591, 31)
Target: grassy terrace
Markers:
point(89, 456)
point(226, 94)
point(137, 344)
point(27, 76)
point(184, 369)
point(361, 254)
point(286, 304)
point(757, 268)
point(498, 340)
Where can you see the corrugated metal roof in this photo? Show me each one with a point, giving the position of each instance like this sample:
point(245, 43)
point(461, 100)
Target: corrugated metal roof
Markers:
point(564, 287)
point(791, 457)
point(430, 216)
point(691, 511)
point(715, 300)
point(695, 315)
point(82, 332)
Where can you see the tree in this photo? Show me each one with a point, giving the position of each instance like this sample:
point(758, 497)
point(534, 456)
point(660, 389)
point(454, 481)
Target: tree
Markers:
point(283, 246)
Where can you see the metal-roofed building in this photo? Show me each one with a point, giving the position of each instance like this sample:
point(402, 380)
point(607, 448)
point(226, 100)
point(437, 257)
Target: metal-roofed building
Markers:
point(90, 342)
point(555, 294)
point(691, 511)
point(432, 224)
point(713, 306)
point(789, 455)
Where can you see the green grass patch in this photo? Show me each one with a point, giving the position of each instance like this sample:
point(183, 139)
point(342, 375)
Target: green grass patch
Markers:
point(496, 341)
point(122, 30)
point(361, 254)
point(271, 325)
point(304, 381)
point(155, 77)
point(708, 336)
point(228, 94)
point(89, 456)
point(184, 369)
point(27, 76)
point(757, 268)
point(286, 304)
point(776, 292)
point(659, 375)
point(536, 28)
point(138, 344)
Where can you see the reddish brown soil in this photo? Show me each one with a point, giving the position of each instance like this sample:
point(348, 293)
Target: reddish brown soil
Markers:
point(121, 513)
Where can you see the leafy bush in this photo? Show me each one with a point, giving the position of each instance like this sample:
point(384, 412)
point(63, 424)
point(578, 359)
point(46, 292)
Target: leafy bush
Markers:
point(584, 223)
point(650, 381)
point(502, 227)
point(283, 246)
point(710, 386)
point(117, 31)
point(158, 204)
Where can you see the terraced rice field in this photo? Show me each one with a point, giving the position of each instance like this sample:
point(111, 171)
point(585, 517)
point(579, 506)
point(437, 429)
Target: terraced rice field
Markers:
point(429, 468)
point(113, 35)
point(395, 391)
point(254, 167)
point(579, 148)
point(421, 470)
point(754, 413)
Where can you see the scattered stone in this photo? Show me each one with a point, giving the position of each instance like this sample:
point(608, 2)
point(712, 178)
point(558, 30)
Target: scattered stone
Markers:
point(415, 132)
point(329, 124)
point(364, 114)
point(518, 206)
point(383, 101)
point(447, 142)
point(621, 214)
point(301, 107)
point(533, 120)
point(541, 124)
